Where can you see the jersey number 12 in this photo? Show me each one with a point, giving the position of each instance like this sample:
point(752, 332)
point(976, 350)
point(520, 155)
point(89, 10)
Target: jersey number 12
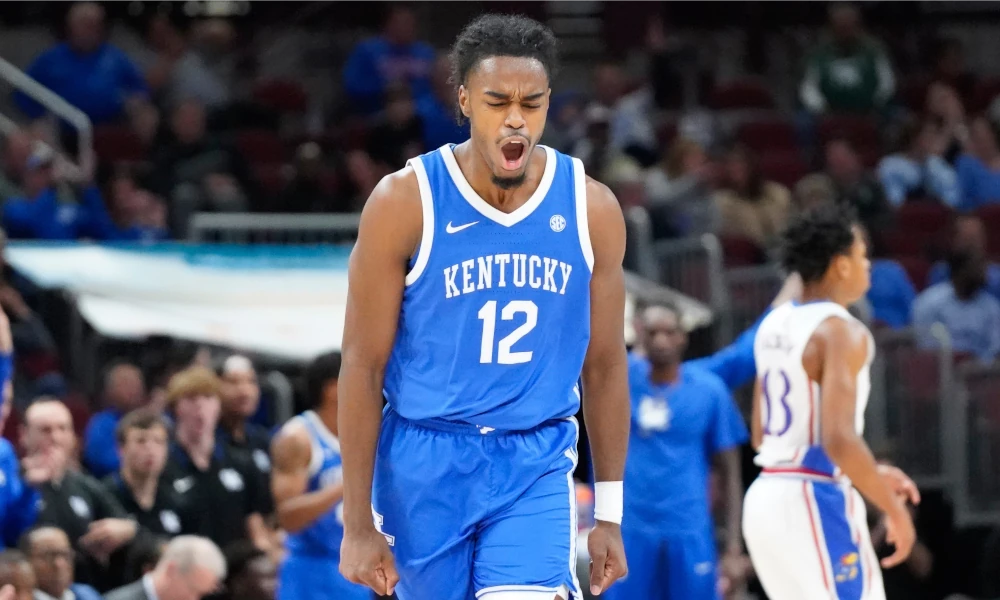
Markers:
point(488, 315)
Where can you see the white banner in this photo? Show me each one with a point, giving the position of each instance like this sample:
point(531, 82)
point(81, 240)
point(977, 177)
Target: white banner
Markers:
point(284, 301)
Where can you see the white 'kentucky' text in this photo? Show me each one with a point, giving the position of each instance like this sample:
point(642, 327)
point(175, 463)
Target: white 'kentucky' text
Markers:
point(501, 270)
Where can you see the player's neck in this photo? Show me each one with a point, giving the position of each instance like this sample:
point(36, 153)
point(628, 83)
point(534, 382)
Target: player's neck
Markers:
point(479, 176)
point(821, 292)
point(665, 374)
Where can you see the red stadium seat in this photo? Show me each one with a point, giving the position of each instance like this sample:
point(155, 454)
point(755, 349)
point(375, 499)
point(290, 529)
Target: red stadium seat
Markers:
point(745, 93)
point(115, 143)
point(912, 93)
point(917, 268)
point(860, 131)
point(666, 132)
point(924, 217)
point(986, 90)
point(261, 146)
point(738, 251)
point(787, 168)
point(281, 95)
point(766, 135)
point(899, 243)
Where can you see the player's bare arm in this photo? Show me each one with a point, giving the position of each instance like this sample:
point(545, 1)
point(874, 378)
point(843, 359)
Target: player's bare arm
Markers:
point(605, 374)
point(834, 355)
point(756, 425)
point(291, 452)
point(388, 235)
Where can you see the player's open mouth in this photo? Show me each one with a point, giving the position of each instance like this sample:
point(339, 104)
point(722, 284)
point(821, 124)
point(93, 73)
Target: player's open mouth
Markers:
point(513, 154)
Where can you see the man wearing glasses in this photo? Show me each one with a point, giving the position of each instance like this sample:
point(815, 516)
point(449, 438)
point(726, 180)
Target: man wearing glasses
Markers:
point(51, 556)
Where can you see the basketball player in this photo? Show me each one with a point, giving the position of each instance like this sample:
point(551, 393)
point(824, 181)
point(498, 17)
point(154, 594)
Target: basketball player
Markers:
point(803, 522)
point(487, 277)
point(307, 485)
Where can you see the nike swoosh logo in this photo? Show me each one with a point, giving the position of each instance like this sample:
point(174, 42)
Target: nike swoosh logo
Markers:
point(451, 229)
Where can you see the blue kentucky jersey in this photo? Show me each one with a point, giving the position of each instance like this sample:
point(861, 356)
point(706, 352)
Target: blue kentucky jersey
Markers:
point(322, 538)
point(495, 318)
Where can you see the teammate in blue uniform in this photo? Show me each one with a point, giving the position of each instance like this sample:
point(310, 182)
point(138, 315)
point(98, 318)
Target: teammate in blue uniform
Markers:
point(486, 280)
point(308, 489)
point(683, 419)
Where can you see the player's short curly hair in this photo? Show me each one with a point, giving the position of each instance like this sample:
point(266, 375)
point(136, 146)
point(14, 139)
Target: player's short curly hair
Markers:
point(813, 240)
point(503, 35)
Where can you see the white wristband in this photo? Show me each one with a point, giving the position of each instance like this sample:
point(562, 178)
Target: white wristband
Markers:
point(609, 501)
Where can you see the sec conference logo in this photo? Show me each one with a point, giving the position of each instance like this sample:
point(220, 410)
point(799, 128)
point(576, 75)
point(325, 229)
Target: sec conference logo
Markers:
point(557, 223)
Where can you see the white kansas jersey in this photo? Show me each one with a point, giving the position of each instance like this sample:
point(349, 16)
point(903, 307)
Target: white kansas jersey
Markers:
point(790, 400)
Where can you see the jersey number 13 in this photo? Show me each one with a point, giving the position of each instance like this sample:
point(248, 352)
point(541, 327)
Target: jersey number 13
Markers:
point(488, 315)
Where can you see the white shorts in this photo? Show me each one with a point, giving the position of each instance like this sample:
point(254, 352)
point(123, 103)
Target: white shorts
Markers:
point(808, 539)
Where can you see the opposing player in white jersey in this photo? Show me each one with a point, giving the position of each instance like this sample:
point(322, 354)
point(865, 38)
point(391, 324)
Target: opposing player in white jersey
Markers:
point(803, 521)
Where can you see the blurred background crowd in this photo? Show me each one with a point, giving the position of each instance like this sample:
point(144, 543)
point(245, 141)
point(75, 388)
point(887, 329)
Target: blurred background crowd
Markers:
point(714, 123)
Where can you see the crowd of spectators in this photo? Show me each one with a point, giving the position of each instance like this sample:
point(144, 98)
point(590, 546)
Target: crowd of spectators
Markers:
point(181, 127)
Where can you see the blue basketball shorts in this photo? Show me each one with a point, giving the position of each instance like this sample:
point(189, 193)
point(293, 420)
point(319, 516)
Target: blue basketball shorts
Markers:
point(316, 578)
point(473, 513)
point(667, 566)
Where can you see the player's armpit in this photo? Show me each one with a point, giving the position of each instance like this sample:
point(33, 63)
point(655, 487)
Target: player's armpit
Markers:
point(605, 368)
point(389, 233)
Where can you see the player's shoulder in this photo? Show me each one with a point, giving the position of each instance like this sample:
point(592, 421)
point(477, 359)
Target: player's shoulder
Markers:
point(393, 213)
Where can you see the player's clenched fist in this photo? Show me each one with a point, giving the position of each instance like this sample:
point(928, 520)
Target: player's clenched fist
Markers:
point(607, 556)
point(365, 558)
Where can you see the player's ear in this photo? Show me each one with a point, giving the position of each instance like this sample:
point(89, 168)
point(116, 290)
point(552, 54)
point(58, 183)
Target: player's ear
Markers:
point(463, 100)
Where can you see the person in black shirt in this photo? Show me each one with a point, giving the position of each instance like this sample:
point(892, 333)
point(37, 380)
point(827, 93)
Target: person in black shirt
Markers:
point(221, 484)
point(142, 437)
point(240, 395)
point(95, 522)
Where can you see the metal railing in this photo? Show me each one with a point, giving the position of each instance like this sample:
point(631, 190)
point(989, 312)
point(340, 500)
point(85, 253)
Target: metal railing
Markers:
point(975, 435)
point(912, 397)
point(244, 228)
point(57, 106)
point(693, 266)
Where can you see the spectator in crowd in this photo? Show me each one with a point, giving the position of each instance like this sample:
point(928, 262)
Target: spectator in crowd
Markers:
point(124, 391)
point(32, 337)
point(949, 67)
point(142, 556)
point(968, 312)
point(439, 110)
point(197, 171)
point(630, 130)
point(678, 193)
point(134, 209)
point(16, 572)
point(750, 206)
point(209, 475)
point(192, 567)
point(945, 111)
point(95, 522)
point(306, 191)
point(240, 394)
point(968, 234)
point(684, 420)
point(849, 72)
point(142, 436)
point(564, 127)
point(856, 186)
point(812, 191)
point(891, 293)
point(17, 148)
point(87, 71)
point(396, 136)
point(395, 57)
point(18, 499)
point(917, 170)
point(51, 556)
point(979, 168)
point(252, 574)
point(178, 71)
point(56, 205)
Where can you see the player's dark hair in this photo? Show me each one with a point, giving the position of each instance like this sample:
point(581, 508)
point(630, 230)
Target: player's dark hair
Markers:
point(323, 369)
point(502, 35)
point(816, 238)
